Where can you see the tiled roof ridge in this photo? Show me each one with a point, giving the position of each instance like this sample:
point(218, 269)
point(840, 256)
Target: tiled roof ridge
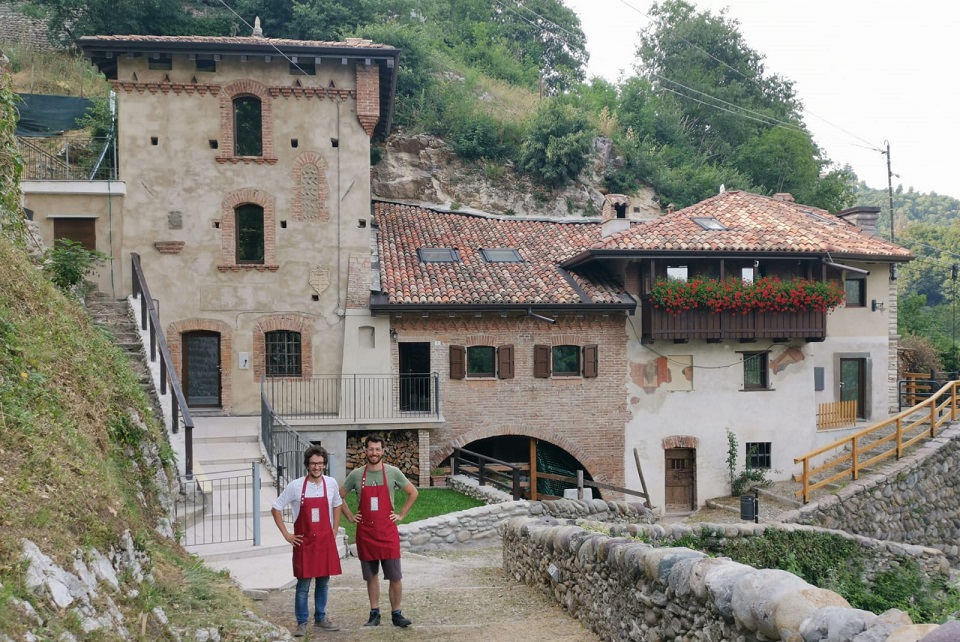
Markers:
point(352, 43)
point(493, 217)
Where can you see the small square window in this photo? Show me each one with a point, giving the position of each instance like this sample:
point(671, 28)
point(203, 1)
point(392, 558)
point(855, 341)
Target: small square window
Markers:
point(856, 292)
point(480, 361)
point(758, 455)
point(755, 371)
point(501, 255)
point(677, 272)
point(566, 361)
point(303, 68)
point(438, 255)
point(161, 63)
point(206, 64)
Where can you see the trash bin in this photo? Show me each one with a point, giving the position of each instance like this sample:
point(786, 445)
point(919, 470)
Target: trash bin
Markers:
point(748, 507)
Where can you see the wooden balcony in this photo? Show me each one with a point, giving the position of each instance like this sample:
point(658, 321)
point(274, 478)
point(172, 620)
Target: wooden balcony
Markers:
point(659, 325)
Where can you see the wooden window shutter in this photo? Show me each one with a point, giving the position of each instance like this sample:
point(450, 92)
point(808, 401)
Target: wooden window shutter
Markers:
point(458, 362)
point(590, 360)
point(541, 361)
point(505, 362)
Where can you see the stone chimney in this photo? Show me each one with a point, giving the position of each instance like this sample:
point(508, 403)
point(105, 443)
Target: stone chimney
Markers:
point(863, 216)
point(784, 196)
point(615, 215)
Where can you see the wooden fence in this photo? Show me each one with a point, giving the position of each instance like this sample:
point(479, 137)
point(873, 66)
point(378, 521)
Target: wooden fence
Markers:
point(888, 438)
point(837, 414)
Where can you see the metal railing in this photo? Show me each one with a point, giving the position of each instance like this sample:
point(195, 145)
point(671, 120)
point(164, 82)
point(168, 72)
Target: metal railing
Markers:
point(354, 398)
point(66, 158)
point(885, 439)
point(219, 508)
point(150, 318)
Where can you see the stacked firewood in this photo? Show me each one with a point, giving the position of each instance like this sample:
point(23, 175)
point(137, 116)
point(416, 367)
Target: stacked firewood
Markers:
point(401, 448)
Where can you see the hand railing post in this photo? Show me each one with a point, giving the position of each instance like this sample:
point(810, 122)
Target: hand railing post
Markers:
point(856, 458)
point(455, 466)
point(806, 480)
point(899, 437)
point(516, 483)
point(480, 480)
point(933, 416)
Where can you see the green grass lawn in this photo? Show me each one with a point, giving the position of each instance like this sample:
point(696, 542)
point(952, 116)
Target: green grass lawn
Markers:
point(430, 502)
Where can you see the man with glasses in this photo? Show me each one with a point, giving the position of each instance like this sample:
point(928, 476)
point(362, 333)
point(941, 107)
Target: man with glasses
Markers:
point(378, 540)
point(315, 504)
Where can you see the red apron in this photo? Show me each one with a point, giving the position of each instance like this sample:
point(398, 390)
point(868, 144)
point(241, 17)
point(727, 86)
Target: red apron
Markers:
point(377, 534)
point(317, 555)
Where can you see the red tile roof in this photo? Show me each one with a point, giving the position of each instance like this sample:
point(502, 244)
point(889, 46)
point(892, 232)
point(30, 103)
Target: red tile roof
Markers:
point(538, 280)
point(754, 223)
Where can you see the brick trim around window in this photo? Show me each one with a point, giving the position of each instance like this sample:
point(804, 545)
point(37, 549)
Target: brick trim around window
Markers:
point(290, 323)
point(228, 230)
point(235, 90)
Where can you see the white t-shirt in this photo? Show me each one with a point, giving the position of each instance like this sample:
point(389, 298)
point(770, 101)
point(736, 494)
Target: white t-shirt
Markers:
point(291, 495)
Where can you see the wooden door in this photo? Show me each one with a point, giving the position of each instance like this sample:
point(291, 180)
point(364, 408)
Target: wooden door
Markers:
point(681, 477)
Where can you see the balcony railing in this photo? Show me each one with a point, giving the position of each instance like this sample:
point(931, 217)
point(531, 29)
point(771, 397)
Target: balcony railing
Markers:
point(658, 324)
point(68, 158)
point(355, 398)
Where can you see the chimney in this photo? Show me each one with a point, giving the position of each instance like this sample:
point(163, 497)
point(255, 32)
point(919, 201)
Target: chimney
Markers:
point(257, 31)
point(614, 217)
point(863, 216)
point(784, 196)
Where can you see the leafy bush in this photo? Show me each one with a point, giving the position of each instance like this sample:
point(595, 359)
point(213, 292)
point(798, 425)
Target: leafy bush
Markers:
point(555, 147)
point(68, 262)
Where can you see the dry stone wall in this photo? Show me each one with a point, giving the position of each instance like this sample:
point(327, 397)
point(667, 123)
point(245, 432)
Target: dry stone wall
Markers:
point(914, 501)
point(624, 589)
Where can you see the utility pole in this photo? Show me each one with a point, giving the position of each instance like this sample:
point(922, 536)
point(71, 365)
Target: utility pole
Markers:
point(890, 188)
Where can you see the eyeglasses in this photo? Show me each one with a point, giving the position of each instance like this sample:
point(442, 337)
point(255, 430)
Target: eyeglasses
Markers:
point(316, 463)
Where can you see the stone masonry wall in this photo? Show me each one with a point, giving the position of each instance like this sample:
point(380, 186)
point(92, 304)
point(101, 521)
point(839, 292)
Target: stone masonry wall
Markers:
point(624, 589)
point(914, 501)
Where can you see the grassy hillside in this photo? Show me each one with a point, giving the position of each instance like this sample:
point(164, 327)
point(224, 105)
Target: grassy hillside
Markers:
point(78, 455)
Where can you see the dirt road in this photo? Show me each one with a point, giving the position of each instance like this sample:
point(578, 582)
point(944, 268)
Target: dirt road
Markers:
point(449, 596)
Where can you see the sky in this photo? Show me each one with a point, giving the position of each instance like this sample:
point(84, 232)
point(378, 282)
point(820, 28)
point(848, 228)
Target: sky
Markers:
point(866, 71)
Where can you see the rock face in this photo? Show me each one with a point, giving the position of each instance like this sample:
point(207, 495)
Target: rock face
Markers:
point(425, 171)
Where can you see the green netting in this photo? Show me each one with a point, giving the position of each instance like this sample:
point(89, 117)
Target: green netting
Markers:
point(555, 461)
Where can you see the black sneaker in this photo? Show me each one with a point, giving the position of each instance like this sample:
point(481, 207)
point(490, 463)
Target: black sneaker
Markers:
point(399, 620)
point(374, 620)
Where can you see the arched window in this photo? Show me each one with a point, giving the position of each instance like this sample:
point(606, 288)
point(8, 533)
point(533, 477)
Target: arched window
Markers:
point(247, 126)
point(250, 234)
point(282, 353)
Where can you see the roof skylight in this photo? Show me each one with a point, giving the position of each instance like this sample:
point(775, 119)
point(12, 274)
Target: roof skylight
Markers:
point(438, 255)
point(709, 223)
point(501, 255)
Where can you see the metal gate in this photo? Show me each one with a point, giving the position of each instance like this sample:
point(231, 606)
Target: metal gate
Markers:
point(220, 507)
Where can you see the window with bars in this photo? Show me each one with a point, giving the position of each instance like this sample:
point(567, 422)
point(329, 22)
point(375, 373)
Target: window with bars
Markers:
point(282, 353)
point(758, 454)
point(755, 371)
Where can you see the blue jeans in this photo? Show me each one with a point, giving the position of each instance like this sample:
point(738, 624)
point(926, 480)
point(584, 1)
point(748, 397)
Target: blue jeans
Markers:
point(319, 599)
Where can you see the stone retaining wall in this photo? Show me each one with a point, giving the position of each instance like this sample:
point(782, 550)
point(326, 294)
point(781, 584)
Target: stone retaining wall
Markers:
point(881, 556)
point(624, 589)
point(480, 525)
point(915, 500)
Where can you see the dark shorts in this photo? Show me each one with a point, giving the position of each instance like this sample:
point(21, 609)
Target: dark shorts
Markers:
point(391, 569)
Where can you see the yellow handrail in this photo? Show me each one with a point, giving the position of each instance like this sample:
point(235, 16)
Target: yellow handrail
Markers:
point(904, 436)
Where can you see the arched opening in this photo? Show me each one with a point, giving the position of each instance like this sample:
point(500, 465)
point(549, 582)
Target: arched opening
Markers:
point(549, 459)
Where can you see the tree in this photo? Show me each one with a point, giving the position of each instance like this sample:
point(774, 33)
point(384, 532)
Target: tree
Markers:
point(75, 18)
